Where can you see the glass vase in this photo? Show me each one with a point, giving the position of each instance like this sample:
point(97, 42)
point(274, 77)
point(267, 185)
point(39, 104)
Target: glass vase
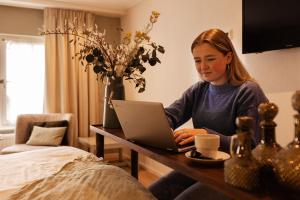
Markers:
point(287, 162)
point(114, 89)
point(268, 148)
point(242, 169)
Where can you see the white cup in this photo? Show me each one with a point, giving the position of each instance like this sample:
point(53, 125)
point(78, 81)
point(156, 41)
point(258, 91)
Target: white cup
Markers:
point(207, 144)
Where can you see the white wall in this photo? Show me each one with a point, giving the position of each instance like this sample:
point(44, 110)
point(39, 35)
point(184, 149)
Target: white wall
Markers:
point(180, 22)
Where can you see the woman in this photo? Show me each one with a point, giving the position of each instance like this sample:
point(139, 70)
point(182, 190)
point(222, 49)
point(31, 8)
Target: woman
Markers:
point(226, 92)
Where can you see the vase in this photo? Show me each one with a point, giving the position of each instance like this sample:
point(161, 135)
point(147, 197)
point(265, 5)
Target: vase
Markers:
point(287, 161)
point(268, 148)
point(242, 169)
point(114, 89)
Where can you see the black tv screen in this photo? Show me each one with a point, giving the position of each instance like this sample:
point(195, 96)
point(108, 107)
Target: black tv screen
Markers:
point(270, 25)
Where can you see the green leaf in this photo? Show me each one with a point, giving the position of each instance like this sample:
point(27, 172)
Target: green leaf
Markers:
point(157, 59)
point(97, 69)
point(153, 45)
point(89, 58)
point(141, 68)
point(152, 61)
point(154, 53)
point(140, 51)
point(145, 57)
point(142, 89)
point(161, 49)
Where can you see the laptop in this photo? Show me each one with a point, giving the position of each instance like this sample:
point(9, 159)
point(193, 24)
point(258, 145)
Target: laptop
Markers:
point(146, 123)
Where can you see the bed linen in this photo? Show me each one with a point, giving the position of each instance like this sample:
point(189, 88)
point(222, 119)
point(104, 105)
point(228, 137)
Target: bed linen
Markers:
point(65, 173)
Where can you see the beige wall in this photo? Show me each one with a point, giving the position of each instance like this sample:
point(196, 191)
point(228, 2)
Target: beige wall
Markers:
point(25, 21)
point(180, 22)
point(20, 21)
point(111, 26)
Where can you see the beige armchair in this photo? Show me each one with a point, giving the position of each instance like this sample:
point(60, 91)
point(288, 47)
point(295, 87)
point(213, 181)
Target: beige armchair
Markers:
point(22, 131)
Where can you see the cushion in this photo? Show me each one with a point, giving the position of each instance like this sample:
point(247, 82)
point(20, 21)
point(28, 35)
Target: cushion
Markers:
point(59, 123)
point(46, 136)
point(16, 148)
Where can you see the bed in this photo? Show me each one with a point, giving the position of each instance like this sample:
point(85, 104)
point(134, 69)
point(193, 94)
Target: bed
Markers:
point(65, 173)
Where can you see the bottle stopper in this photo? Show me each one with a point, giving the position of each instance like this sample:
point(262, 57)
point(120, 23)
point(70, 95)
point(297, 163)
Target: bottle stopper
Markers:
point(296, 106)
point(244, 123)
point(267, 113)
point(296, 101)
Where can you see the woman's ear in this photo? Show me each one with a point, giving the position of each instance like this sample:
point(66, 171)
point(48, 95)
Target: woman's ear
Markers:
point(229, 57)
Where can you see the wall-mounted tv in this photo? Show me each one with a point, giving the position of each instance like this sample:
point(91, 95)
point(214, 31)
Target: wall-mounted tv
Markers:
point(270, 25)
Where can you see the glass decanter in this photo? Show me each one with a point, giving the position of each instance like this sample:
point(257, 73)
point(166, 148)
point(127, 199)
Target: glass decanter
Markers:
point(268, 148)
point(287, 161)
point(242, 169)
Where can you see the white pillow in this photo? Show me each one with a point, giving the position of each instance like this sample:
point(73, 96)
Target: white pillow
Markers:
point(46, 136)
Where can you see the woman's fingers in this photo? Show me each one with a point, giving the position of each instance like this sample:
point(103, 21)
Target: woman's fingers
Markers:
point(183, 136)
point(187, 140)
point(179, 137)
point(178, 133)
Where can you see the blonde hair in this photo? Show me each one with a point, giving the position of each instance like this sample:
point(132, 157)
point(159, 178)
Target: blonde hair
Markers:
point(236, 72)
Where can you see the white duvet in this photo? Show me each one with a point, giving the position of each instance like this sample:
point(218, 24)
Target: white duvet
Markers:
point(64, 173)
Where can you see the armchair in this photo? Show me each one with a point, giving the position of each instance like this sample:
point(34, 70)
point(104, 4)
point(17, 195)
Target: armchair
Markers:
point(22, 131)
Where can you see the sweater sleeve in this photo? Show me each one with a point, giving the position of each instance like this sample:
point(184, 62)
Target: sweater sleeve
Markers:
point(249, 99)
point(180, 111)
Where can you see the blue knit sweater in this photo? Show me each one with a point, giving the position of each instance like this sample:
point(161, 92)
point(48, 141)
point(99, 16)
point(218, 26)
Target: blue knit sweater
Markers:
point(215, 108)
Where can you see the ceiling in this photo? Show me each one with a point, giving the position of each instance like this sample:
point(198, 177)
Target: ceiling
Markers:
point(102, 7)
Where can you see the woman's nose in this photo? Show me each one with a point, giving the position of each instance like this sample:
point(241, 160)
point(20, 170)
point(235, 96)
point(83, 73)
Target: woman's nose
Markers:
point(203, 66)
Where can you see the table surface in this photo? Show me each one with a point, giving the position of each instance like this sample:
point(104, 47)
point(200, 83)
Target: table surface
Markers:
point(210, 175)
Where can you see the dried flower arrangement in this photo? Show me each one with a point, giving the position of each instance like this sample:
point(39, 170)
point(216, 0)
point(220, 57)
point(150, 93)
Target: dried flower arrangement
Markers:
point(127, 59)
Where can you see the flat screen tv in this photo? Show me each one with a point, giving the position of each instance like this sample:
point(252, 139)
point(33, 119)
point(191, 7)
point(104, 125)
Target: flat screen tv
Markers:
point(270, 25)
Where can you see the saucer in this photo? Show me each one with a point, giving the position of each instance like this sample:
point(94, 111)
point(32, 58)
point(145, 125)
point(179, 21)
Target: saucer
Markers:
point(220, 158)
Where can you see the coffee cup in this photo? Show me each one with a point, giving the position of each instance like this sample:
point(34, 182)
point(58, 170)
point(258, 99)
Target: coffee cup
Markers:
point(207, 144)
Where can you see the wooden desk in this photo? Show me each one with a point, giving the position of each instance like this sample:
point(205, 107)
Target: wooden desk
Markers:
point(212, 176)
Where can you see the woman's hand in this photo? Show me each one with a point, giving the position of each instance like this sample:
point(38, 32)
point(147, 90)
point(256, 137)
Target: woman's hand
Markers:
point(186, 135)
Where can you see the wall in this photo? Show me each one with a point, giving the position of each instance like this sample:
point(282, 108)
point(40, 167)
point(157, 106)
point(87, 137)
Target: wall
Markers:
point(111, 25)
point(20, 21)
point(25, 21)
point(180, 22)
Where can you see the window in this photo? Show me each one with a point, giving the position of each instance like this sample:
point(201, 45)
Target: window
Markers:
point(22, 69)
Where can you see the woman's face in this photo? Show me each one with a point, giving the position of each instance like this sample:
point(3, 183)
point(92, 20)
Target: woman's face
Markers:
point(211, 63)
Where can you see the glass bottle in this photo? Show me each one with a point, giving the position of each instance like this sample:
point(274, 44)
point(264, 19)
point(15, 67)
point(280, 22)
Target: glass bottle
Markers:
point(242, 169)
point(287, 161)
point(268, 148)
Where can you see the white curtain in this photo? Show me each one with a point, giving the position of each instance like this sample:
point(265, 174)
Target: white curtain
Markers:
point(68, 87)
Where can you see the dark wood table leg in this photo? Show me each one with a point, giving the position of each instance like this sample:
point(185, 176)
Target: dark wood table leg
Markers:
point(135, 164)
point(99, 145)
